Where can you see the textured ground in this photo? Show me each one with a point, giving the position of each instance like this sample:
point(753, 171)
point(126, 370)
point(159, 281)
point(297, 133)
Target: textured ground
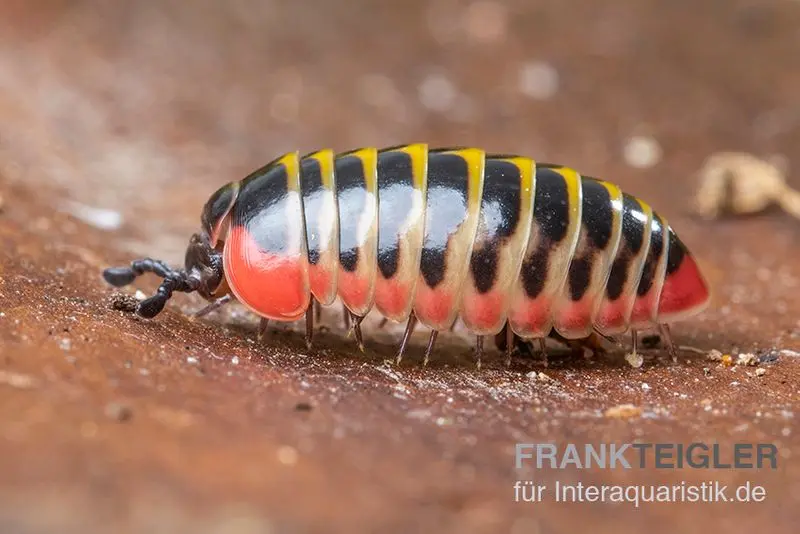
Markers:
point(113, 424)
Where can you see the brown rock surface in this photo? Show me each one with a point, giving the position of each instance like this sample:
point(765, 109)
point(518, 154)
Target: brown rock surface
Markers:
point(113, 424)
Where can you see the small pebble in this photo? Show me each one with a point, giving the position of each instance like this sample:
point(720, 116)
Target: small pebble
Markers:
point(192, 360)
point(16, 380)
point(65, 343)
point(761, 371)
point(287, 455)
point(634, 359)
point(646, 386)
point(118, 412)
point(303, 407)
point(235, 360)
point(623, 411)
point(123, 302)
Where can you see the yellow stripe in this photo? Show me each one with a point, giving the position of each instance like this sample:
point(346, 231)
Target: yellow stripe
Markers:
point(615, 193)
point(325, 159)
point(574, 192)
point(527, 179)
point(369, 161)
point(476, 161)
point(418, 153)
point(291, 162)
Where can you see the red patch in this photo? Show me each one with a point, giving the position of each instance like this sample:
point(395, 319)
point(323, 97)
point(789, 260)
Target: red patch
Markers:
point(320, 280)
point(391, 297)
point(532, 316)
point(684, 290)
point(354, 291)
point(611, 315)
point(432, 306)
point(483, 311)
point(643, 308)
point(576, 316)
point(274, 286)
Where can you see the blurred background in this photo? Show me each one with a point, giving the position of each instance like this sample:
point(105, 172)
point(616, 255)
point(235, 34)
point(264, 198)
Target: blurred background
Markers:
point(118, 119)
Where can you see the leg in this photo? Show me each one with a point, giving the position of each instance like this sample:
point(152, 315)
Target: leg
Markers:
point(357, 331)
point(262, 328)
point(383, 322)
point(317, 310)
point(543, 352)
point(412, 322)
point(478, 350)
point(310, 324)
point(509, 344)
point(346, 317)
point(431, 342)
point(667, 335)
point(635, 341)
point(220, 302)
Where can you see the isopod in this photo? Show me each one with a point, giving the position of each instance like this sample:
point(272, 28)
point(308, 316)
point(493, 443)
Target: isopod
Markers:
point(517, 249)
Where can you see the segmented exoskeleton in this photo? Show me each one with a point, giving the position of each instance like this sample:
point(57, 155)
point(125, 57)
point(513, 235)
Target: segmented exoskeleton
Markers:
point(428, 235)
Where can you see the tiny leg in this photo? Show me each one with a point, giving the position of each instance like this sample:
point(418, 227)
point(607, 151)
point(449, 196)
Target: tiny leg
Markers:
point(509, 344)
point(412, 322)
point(262, 328)
point(357, 331)
point(310, 325)
point(431, 343)
point(543, 352)
point(383, 322)
point(667, 335)
point(635, 342)
point(346, 317)
point(211, 306)
point(478, 350)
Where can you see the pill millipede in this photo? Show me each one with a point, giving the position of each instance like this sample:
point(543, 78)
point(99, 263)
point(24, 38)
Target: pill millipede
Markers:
point(517, 249)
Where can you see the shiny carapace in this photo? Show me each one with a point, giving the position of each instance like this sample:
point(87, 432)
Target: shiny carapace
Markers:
point(429, 235)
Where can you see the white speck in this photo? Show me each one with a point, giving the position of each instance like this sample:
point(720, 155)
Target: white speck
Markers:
point(786, 431)
point(287, 455)
point(235, 360)
point(642, 152)
point(144, 372)
point(437, 92)
point(646, 386)
point(761, 371)
point(486, 21)
point(139, 295)
point(104, 219)
point(65, 343)
point(538, 80)
point(2, 314)
point(734, 383)
point(192, 360)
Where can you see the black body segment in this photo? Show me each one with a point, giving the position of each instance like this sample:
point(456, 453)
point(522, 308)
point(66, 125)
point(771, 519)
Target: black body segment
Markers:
point(677, 251)
point(653, 256)
point(396, 195)
point(216, 210)
point(448, 194)
point(500, 213)
point(634, 228)
point(261, 209)
point(353, 196)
